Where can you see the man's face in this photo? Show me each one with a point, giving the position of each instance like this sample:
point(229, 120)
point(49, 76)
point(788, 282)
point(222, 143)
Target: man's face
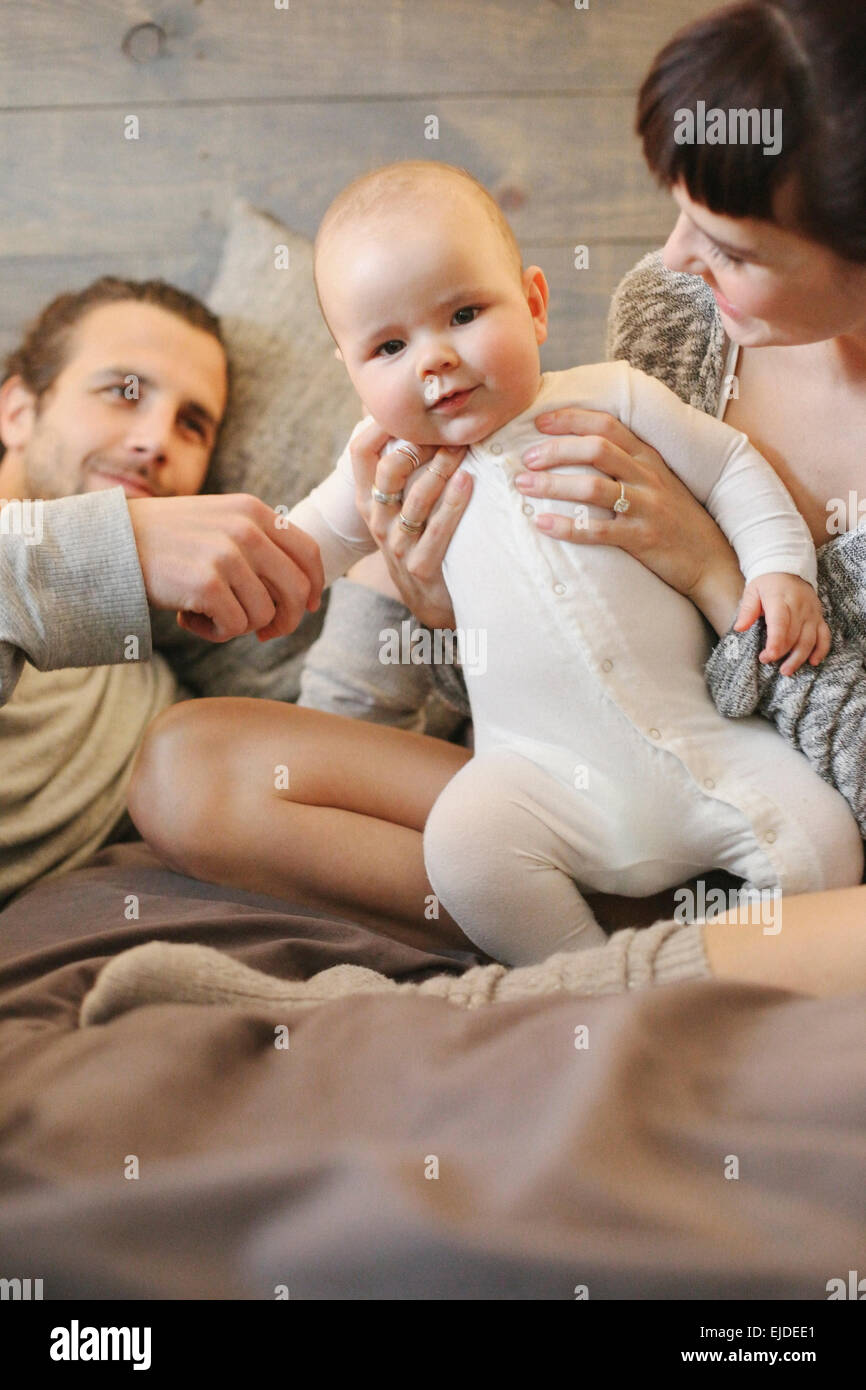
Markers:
point(137, 404)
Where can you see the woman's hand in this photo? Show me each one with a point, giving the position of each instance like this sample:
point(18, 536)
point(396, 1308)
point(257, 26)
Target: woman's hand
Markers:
point(436, 501)
point(665, 527)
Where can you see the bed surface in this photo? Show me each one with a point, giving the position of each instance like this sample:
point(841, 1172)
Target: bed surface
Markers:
point(602, 1166)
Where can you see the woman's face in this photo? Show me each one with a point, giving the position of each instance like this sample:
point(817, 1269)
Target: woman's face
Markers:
point(772, 285)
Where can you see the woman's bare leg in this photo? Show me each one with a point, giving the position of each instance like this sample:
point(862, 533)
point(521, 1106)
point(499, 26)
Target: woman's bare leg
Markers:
point(820, 948)
point(314, 807)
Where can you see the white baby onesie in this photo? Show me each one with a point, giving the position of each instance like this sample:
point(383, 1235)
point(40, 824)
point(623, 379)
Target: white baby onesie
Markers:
point(583, 663)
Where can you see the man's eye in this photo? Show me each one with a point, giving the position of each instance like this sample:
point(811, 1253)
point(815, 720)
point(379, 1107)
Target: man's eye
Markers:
point(468, 309)
point(392, 342)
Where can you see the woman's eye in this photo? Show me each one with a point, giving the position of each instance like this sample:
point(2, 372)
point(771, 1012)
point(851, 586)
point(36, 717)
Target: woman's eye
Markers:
point(392, 342)
point(193, 424)
point(722, 257)
point(120, 388)
point(467, 309)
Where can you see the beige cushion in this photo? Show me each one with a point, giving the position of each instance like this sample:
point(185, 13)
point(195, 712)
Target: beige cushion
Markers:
point(291, 409)
point(291, 404)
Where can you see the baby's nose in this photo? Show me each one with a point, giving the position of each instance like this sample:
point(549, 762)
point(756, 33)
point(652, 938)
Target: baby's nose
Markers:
point(437, 355)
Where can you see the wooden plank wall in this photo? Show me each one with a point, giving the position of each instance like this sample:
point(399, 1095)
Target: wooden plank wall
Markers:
point(285, 105)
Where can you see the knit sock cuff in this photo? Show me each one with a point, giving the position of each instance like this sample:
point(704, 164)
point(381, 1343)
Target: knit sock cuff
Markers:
point(665, 953)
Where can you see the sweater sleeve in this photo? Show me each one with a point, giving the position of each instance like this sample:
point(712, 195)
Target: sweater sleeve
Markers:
point(668, 325)
point(71, 587)
point(724, 471)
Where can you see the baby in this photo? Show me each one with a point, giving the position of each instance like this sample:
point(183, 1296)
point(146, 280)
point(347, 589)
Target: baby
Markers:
point(600, 762)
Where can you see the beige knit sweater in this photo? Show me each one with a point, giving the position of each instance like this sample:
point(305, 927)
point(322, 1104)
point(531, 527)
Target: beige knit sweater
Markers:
point(69, 723)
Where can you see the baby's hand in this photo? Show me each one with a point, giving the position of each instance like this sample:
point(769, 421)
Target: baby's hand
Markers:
point(794, 617)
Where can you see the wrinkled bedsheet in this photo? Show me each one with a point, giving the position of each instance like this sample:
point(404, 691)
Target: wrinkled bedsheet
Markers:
point(700, 1140)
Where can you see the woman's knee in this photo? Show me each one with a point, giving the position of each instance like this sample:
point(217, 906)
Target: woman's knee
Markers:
point(170, 794)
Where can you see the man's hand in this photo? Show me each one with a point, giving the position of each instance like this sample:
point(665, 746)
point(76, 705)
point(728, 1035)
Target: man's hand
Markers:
point(228, 564)
point(794, 617)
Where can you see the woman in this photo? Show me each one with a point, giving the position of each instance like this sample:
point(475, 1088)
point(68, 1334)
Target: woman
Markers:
point(769, 330)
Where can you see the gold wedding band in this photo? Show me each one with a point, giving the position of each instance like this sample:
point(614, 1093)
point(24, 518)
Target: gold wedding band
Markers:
point(413, 527)
point(409, 452)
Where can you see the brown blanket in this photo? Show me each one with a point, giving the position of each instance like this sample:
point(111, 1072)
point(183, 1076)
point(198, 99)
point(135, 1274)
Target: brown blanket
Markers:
point(399, 1147)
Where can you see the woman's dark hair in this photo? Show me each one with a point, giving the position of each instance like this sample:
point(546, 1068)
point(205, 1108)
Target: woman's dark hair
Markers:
point(806, 58)
point(44, 350)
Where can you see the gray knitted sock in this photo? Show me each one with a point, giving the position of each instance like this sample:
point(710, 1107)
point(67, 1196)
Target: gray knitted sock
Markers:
point(161, 973)
point(820, 710)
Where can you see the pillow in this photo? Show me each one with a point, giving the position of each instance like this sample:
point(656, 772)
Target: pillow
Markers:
point(291, 409)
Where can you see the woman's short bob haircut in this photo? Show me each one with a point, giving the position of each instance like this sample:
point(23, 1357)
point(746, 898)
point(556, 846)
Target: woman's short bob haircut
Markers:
point(804, 58)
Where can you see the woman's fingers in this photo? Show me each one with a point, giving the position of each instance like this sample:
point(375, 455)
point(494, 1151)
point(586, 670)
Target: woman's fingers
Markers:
point(428, 548)
point(427, 485)
point(388, 474)
point(592, 488)
point(591, 449)
point(597, 428)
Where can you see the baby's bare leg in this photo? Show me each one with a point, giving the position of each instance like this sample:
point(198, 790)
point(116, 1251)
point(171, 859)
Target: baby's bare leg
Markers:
point(323, 810)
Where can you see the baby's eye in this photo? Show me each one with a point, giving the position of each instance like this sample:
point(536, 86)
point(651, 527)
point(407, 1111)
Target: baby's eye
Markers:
point(392, 342)
point(467, 309)
point(120, 388)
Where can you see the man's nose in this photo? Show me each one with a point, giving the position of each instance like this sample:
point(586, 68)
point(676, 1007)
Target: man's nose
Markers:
point(148, 436)
point(678, 252)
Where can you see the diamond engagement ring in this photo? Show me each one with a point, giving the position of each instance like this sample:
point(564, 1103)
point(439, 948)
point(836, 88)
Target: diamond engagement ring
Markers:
point(388, 499)
point(622, 503)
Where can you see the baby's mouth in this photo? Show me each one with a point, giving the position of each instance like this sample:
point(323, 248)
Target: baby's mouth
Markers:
point(453, 399)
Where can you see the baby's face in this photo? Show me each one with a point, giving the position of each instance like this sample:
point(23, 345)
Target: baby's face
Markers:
point(425, 306)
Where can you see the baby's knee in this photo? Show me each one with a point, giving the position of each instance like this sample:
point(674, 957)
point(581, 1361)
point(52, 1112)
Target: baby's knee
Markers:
point(472, 826)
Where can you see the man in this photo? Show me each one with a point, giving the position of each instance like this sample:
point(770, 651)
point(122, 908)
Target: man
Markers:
point(109, 412)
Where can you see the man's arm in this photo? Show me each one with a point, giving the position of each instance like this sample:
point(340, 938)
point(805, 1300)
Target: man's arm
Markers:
point(77, 593)
point(72, 592)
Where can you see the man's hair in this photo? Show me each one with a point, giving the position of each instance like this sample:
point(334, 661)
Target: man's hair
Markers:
point(404, 184)
point(806, 58)
point(45, 348)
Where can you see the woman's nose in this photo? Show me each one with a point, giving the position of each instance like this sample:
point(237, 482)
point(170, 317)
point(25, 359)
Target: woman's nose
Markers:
point(677, 252)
